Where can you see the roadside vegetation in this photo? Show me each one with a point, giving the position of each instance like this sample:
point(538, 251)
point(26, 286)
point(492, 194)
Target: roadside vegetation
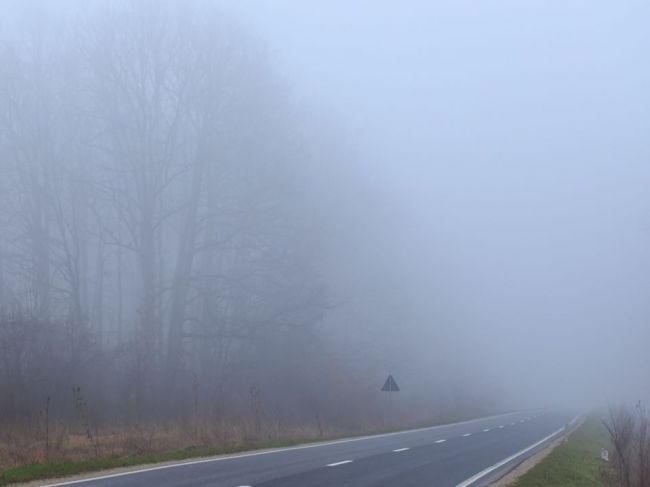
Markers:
point(77, 454)
point(179, 249)
point(575, 463)
point(64, 468)
point(629, 434)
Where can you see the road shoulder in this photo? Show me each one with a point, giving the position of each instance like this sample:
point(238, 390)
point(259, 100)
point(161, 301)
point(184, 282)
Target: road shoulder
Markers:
point(572, 460)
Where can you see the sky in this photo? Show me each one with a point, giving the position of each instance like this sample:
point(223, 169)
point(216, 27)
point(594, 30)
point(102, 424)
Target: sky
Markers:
point(510, 140)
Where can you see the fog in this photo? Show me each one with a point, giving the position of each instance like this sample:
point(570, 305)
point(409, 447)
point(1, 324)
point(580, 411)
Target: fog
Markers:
point(221, 208)
point(508, 140)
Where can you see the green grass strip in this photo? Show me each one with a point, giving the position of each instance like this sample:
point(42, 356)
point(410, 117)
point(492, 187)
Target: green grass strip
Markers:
point(575, 463)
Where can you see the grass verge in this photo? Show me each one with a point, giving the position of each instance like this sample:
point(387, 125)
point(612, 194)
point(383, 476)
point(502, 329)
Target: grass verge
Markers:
point(575, 463)
point(27, 473)
point(59, 469)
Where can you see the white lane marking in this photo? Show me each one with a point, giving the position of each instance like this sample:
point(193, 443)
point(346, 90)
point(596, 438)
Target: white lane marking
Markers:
point(441, 441)
point(268, 452)
point(486, 430)
point(336, 464)
point(488, 470)
point(467, 434)
point(512, 424)
point(400, 449)
point(501, 426)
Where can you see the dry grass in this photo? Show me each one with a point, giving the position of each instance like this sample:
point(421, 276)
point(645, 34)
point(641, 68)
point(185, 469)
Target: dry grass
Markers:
point(21, 445)
point(23, 455)
point(77, 448)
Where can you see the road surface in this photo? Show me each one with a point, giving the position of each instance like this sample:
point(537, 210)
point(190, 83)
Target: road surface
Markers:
point(463, 454)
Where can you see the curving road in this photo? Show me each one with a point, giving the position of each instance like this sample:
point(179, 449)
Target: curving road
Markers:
point(470, 453)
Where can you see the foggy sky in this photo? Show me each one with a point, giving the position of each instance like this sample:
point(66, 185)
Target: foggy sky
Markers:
point(506, 146)
point(509, 143)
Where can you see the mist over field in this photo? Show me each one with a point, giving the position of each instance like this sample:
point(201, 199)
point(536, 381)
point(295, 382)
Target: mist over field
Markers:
point(243, 215)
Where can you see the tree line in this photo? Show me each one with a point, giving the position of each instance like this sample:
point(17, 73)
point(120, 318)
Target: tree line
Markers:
point(160, 232)
point(181, 239)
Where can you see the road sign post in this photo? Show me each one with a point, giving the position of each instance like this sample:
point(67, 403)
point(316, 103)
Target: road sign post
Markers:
point(390, 386)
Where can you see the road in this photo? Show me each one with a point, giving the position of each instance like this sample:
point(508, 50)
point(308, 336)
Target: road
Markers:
point(462, 454)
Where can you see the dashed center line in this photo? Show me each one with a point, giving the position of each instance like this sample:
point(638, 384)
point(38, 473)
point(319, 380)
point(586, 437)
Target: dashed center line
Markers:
point(467, 434)
point(501, 426)
point(338, 463)
point(486, 430)
point(400, 449)
point(441, 441)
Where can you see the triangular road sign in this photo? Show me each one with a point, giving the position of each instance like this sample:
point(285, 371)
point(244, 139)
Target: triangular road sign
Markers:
point(390, 385)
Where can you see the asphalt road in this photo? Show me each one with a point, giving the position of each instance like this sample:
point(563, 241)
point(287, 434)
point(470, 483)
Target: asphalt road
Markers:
point(461, 454)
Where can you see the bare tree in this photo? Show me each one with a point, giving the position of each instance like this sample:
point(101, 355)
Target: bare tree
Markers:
point(628, 431)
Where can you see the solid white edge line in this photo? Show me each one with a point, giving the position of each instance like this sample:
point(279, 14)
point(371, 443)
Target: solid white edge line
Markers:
point(276, 450)
point(336, 464)
point(491, 469)
point(573, 421)
point(400, 449)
